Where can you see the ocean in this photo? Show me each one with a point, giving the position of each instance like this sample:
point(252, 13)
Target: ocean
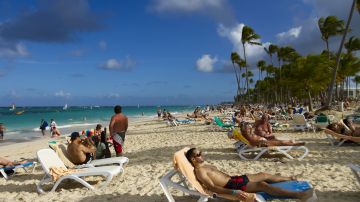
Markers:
point(25, 121)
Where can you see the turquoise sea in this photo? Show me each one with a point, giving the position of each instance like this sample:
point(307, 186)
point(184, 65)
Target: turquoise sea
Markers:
point(26, 120)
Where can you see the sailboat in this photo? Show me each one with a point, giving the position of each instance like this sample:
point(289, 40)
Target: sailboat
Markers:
point(12, 107)
point(65, 107)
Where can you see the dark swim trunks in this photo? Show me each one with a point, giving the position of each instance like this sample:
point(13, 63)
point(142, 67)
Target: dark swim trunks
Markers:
point(237, 183)
point(89, 158)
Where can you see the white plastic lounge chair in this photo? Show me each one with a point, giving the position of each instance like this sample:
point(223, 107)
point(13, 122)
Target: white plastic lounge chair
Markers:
point(20, 166)
point(61, 150)
point(244, 148)
point(48, 159)
point(300, 123)
point(185, 171)
point(356, 169)
point(337, 139)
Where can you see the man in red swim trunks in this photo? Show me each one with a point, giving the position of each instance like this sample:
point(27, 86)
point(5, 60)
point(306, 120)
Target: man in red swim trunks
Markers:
point(222, 183)
point(118, 127)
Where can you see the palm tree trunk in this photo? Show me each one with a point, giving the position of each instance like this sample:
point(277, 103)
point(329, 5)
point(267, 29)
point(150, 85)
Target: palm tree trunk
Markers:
point(237, 81)
point(246, 69)
point(338, 55)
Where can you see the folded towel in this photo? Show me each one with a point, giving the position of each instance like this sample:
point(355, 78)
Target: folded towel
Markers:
point(58, 172)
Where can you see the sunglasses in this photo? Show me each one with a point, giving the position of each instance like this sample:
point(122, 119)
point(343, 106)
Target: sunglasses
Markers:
point(197, 155)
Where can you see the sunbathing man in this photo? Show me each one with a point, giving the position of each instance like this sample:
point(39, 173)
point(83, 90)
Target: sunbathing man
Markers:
point(4, 162)
point(263, 128)
point(255, 140)
point(78, 152)
point(222, 183)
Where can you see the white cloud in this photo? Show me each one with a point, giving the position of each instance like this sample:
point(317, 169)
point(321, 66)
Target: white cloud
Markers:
point(102, 45)
point(309, 40)
point(218, 10)
point(291, 34)
point(9, 50)
point(233, 34)
point(62, 94)
point(185, 5)
point(206, 63)
point(115, 64)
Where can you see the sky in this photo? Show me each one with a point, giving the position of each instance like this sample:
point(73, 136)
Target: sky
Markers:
point(146, 52)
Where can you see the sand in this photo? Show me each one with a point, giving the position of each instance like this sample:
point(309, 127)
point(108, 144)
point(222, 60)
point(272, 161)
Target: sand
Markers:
point(150, 146)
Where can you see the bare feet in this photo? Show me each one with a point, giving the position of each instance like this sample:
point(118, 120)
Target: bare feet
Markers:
point(305, 195)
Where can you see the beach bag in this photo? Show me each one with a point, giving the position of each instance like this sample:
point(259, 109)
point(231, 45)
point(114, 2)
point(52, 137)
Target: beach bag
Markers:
point(107, 153)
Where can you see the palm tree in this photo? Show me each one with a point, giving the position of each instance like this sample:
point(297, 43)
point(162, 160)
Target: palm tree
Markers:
point(248, 36)
point(332, 83)
point(353, 44)
point(356, 80)
point(270, 51)
point(234, 59)
point(330, 26)
point(261, 65)
point(358, 5)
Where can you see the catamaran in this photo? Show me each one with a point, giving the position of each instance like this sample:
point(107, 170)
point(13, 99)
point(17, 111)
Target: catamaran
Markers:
point(12, 107)
point(65, 107)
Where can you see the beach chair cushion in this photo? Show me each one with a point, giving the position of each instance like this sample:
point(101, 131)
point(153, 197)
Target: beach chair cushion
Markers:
point(61, 151)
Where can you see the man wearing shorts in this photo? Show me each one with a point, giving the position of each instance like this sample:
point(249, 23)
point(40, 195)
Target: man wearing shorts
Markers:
point(222, 183)
point(118, 127)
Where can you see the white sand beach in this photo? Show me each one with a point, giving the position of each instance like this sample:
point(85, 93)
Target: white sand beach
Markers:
point(150, 145)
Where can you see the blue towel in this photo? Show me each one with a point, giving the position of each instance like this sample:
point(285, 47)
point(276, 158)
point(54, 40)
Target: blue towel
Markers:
point(287, 185)
point(21, 165)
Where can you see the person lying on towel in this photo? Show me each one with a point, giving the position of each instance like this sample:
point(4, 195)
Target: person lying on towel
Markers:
point(222, 183)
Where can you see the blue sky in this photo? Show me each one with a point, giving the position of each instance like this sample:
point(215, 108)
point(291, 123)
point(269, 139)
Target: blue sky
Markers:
point(147, 52)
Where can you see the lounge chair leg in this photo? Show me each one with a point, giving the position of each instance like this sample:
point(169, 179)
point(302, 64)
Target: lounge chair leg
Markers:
point(78, 179)
point(4, 174)
point(166, 191)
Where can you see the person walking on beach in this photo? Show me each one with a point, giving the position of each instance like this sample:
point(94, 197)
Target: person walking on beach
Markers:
point(43, 125)
point(158, 111)
point(2, 130)
point(118, 127)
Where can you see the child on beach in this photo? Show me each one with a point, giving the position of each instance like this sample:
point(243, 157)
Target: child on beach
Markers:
point(2, 129)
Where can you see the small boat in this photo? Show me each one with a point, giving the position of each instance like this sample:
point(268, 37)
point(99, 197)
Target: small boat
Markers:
point(20, 112)
point(65, 107)
point(12, 107)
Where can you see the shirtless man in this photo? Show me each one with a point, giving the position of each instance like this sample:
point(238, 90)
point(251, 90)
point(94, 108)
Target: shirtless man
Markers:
point(78, 152)
point(4, 162)
point(255, 140)
point(263, 128)
point(118, 127)
point(222, 183)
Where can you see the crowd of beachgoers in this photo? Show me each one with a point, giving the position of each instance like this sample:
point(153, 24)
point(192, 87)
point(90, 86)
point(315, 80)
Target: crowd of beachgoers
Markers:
point(236, 139)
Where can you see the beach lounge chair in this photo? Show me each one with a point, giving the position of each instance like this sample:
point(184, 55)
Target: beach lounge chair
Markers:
point(221, 124)
point(356, 169)
point(61, 151)
point(24, 166)
point(188, 183)
point(337, 139)
point(49, 160)
point(321, 121)
point(244, 148)
point(300, 123)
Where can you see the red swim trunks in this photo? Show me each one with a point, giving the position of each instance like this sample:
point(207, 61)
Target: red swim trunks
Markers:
point(237, 182)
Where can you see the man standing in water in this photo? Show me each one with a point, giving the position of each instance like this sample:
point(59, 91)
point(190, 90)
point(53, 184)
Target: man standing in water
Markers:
point(118, 127)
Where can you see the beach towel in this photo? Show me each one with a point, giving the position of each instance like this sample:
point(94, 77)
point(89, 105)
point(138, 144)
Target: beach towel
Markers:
point(118, 141)
point(58, 172)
